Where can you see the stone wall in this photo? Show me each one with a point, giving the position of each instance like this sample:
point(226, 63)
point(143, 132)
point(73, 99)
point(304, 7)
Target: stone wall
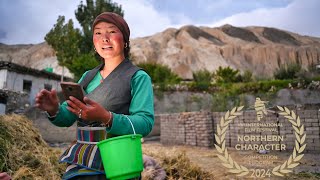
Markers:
point(198, 128)
point(13, 102)
point(49, 132)
point(177, 101)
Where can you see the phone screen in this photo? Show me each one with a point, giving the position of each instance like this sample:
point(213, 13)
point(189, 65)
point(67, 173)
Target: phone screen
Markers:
point(72, 89)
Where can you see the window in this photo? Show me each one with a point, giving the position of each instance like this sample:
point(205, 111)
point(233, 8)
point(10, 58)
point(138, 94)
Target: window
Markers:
point(48, 87)
point(27, 86)
point(3, 102)
point(3, 99)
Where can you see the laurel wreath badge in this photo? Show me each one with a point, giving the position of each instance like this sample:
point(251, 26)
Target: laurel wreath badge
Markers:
point(240, 170)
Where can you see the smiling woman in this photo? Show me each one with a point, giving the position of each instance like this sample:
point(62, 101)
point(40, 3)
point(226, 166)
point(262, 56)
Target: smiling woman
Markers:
point(109, 43)
point(116, 90)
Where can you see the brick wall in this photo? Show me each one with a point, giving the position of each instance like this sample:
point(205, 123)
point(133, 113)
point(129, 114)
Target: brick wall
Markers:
point(198, 128)
point(187, 128)
point(172, 129)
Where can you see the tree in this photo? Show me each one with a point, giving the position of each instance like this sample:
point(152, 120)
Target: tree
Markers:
point(65, 40)
point(74, 48)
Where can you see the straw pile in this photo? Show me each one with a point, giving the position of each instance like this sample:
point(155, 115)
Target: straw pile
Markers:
point(23, 152)
point(25, 155)
point(175, 162)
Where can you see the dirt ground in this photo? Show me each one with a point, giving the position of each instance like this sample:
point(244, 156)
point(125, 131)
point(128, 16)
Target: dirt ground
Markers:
point(207, 159)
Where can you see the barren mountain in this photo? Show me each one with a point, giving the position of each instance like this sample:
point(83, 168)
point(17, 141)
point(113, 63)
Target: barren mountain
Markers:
point(39, 56)
point(258, 49)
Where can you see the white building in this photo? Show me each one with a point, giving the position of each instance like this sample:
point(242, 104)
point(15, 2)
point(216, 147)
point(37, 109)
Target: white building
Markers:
point(18, 78)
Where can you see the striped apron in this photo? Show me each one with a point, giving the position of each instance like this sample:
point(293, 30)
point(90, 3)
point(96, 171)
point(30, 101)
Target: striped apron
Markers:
point(84, 157)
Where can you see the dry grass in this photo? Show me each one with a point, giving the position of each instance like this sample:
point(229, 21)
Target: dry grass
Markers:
point(185, 159)
point(176, 163)
point(23, 152)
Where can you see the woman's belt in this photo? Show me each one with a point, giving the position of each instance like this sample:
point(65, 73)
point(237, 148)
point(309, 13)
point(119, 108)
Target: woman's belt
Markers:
point(91, 135)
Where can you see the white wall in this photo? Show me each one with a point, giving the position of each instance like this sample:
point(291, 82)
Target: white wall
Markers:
point(3, 78)
point(15, 83)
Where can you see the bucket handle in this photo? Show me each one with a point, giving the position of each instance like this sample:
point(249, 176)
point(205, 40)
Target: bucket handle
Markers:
point(134, 132)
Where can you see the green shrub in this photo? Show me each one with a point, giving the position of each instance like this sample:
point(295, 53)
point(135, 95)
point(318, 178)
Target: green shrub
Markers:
point(310, 74)
point(227, 75)
point(316, 78)
point(265, 86)
point(202, 79)
point(247, 76)
point(254, 87)
point(287, 72)
point(160, 74)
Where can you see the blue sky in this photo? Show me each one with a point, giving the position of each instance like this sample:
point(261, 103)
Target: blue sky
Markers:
point(27, 22)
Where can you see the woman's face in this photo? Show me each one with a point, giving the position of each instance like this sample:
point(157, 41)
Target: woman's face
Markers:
point(108, 41)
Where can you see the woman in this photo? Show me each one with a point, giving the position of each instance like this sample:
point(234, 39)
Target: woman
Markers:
point(114, 89)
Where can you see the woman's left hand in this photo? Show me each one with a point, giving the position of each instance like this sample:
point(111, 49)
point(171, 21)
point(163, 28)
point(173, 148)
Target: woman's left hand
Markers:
point(4, 176)
point(91, 111)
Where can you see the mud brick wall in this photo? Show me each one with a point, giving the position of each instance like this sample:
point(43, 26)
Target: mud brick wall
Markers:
point(311, 121)
point(172, 129)
point(198, 128)
point(187, 128)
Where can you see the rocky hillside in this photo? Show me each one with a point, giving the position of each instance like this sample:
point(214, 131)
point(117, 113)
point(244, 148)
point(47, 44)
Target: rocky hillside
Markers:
point(188, 49)
point(258, 49)
point(39, 56)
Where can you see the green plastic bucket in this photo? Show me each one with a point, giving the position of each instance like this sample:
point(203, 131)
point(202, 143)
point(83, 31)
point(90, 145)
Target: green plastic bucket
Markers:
point(122, 156)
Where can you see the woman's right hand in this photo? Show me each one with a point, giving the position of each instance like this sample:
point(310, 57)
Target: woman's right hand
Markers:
point(47, 101)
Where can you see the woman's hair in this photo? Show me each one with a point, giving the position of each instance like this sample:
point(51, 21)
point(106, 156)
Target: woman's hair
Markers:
point(122, 25)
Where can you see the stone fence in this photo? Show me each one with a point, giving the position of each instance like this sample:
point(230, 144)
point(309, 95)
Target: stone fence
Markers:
point(13, 102)
point(198, 128)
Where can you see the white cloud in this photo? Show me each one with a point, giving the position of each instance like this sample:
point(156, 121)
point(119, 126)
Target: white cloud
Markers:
point(299, 16)
point(145, 20)
point(142, 18)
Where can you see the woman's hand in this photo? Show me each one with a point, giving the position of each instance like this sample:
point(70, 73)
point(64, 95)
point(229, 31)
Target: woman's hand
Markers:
point(47, 101)
point(90, 111)
point(4, 176)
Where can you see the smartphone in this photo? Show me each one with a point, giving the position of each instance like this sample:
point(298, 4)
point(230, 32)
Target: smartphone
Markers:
point(72, 89)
